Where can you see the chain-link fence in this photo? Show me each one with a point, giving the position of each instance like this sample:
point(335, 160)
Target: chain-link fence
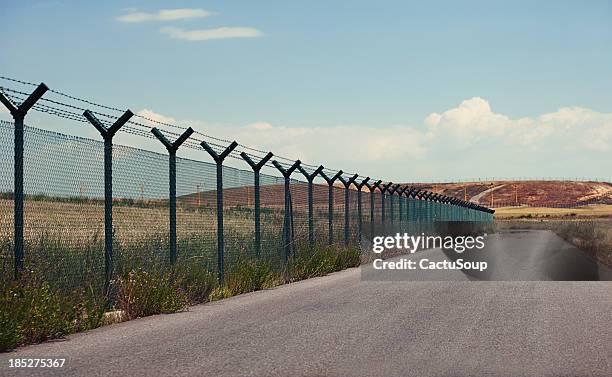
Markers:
point(88, 210)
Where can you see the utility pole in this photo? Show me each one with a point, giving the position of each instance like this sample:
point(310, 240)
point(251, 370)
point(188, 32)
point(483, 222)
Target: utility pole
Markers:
point(516, 202)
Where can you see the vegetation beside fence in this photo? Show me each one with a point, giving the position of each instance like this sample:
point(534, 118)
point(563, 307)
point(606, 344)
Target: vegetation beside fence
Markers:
point(31, 311)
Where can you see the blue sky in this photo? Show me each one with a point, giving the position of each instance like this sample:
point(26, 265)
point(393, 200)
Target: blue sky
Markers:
point(425, 90)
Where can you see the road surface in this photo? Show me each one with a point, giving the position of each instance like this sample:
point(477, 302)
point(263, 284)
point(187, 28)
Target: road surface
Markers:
point(476, 198)
point(341, 325)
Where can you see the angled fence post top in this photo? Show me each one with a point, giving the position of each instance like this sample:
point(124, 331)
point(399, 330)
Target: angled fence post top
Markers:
point(401, 190)
point(219, 157)
point(286, 172)
point(385, 188)
point(21, 110)
point(310, 176)
point(363, 183)
point(331, 180)
point(172, 146)
point(108, 133)
point(347, 182)
point(394, 189)
point(256, 166)
point(374, 186)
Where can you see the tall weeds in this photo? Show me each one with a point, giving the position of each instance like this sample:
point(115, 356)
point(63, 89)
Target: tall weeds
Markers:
point(35, 309)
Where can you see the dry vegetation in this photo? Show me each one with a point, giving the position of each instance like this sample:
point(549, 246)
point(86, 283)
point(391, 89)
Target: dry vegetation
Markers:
point(61, 289)
point(588, 211)
point(532, 193)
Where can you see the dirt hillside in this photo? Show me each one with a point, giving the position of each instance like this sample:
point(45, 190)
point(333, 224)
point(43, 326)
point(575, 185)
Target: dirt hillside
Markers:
point(533, 193)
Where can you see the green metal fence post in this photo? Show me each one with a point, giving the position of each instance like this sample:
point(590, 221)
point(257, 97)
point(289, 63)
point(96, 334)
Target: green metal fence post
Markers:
point(359, 208)
point(392, 191)
point(347, 183)
point(218, 158)
point(107, 135)
point(310, 179)
point(256, 169)
point(288, 215)
point(400, 194)
point(330, 203)
point(19, 112)
point(172, 148)
point(383, 190)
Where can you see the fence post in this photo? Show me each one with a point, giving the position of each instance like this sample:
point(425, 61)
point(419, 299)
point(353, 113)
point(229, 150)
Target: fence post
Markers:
point(430, 209)
point(359, 210)
point(172, 148)
point(375, 185)
point(330, 203)
point(218, 158)
point(445, 208)
point(256, 169)
point(392, 191)
point(422, 212)
point(400, 194)
point(19, 113)
point(107, 135)
point(347, 183)
point(411, 191)
point(310, 178)
point(286, 223)
point(434, 202)
point(383, 189)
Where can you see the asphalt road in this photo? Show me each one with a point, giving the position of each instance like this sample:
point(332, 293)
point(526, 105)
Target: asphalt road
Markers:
point(341, 325)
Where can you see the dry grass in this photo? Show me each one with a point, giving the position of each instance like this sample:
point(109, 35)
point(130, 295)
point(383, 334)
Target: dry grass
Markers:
point(590, 211)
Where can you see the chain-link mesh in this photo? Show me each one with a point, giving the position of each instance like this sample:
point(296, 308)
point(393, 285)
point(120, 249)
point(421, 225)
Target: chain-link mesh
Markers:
point(64, 211)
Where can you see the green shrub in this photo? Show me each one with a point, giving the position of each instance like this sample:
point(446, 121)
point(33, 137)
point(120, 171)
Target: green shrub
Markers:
point(141, 293)
point(250, 275)
point(30, 312)
point(347, 257)
point(321, 260)
point(195, 281)
point(311, 262)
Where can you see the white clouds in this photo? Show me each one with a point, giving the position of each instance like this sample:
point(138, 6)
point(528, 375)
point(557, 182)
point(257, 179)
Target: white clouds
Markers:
point(207, 34)
point(459, 140)
point(337, 144)
point(150, 114)
point(163, 15)
point(193, 35)
point(468, 123)
point(473, 121)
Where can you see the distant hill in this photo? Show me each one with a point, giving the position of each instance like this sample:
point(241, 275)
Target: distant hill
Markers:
point(490, 194)
point(533, 193)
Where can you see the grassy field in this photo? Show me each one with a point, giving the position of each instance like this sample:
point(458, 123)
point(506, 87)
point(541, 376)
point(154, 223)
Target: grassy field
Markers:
point(525, 212)
point(67, 237)
point(61, 289)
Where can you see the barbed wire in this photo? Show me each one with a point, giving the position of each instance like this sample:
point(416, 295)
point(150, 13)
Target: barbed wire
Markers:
point(284, 161)
point(252, 152)
point(192, 143)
